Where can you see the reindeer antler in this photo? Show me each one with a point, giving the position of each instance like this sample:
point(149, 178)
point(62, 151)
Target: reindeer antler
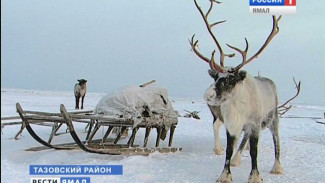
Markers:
point(283, 108)
point(275, 30)
point(243, 53)
point(209, 26)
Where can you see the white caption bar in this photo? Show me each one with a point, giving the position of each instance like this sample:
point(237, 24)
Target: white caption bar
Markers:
point(273, 10)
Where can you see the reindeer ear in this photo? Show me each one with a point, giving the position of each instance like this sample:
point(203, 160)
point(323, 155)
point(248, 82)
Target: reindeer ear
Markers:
point(242, 75)
point(213, 73)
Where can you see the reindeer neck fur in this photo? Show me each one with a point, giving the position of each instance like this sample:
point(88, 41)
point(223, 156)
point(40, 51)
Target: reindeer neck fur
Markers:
point(233, 109)
point(83, 86)
point(248, 103)
point(80, 89)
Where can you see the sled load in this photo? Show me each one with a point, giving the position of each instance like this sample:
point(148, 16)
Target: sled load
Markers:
point(130, 108)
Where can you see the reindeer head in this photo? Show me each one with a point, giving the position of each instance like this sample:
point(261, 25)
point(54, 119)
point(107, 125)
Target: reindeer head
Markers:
point(226, 78)
point(82, 82)
point(223, 84)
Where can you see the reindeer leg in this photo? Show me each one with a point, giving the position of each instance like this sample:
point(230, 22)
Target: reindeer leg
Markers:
point(254, 176)
point(235, 161)
point(77, 102)
point(82, 102)
point(217, 144)
point(226, 176)
point(274, 128)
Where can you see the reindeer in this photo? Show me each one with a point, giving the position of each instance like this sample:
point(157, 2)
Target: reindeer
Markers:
point(80, 90)
point(242, 102)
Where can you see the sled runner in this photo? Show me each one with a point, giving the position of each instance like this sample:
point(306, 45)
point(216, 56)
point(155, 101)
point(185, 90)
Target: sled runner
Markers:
point(105, 145)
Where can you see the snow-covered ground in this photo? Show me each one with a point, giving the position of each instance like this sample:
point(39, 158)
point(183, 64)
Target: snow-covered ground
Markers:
point(302, 143)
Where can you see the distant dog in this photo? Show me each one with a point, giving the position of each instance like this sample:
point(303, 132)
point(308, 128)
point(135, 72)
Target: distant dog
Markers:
point(80, 90)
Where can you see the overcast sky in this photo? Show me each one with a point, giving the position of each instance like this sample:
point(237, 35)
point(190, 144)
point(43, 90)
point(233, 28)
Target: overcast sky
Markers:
point(48, 45)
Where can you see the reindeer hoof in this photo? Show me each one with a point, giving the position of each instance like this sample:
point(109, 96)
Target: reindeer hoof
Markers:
point(224, 181)
point(219, 151)
point(255, 178)
point(225, 178)
point(277, 169)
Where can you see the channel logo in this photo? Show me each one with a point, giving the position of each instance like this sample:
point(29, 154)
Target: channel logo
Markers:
point(272, 7)
point(60, 180)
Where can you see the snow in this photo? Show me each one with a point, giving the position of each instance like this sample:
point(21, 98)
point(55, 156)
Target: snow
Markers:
point(302, 143)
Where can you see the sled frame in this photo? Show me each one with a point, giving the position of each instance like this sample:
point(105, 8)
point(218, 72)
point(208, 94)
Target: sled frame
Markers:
point(94, 123)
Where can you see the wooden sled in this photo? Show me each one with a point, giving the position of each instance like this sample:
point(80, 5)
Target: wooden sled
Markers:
point(100, 146)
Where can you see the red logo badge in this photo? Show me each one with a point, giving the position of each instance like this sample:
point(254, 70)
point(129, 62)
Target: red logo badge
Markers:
point(290, 2)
